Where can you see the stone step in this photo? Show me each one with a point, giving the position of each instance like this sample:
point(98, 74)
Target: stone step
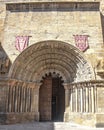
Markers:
point(47, 126)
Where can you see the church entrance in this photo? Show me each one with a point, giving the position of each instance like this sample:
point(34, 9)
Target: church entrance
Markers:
point(52, 99)
point(43, 83)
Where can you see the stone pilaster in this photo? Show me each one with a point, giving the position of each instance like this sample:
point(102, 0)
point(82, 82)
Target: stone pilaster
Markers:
point(67, 101)
point(35, 99)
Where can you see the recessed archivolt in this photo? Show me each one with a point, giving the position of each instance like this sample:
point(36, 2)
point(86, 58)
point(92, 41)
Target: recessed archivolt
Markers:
point(51, 56)
point(53, 63)
point(48, 57)
point(42, 59)
point(53, 75)
point(59, 69)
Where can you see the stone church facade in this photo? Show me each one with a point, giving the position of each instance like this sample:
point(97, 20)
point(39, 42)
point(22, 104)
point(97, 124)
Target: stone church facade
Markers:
point(52, 61)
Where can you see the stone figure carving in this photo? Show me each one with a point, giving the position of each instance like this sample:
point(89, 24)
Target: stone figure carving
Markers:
point(4, 65)
point(100, 64)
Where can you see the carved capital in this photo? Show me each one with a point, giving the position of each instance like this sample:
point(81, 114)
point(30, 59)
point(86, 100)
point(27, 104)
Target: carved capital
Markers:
point(66, 85)
point(34, 85)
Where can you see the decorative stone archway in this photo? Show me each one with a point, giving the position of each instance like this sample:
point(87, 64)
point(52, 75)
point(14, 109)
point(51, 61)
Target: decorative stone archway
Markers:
point(43, 58)
point(51, 56)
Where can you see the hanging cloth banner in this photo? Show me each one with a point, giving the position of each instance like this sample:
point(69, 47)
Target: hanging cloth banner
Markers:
point(21, 42)
point(81, 41)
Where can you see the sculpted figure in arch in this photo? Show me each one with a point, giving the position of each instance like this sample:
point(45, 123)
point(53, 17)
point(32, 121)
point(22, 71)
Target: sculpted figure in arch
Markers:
point(100, 64)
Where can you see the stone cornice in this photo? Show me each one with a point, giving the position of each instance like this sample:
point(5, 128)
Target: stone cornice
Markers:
point(25, 1)
point(59, 6)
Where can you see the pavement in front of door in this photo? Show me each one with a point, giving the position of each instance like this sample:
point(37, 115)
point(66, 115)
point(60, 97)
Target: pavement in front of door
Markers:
point(47, 126)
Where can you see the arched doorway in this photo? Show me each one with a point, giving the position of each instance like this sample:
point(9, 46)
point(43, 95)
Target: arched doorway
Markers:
point(52, 98)
point(52, 58)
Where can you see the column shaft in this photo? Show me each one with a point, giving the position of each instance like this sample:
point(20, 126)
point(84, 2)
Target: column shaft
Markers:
point(92, 96)
point(71, 102)
point(81, 107)
point(76, 99)
point(10, 98)
point(67, 98)
point(95, 94)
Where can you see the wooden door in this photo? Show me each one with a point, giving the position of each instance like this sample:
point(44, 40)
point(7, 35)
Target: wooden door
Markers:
point(45, 96)
point(51, 99)
point(58, 99)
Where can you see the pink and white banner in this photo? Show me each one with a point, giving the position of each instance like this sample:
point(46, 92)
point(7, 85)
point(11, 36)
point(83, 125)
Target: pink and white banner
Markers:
point(21, 42)
point(81, 41)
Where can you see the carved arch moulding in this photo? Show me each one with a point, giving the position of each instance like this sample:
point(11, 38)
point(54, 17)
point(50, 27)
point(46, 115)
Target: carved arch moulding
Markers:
point(49, 57)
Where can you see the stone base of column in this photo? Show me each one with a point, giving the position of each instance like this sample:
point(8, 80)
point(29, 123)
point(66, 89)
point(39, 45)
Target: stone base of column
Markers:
point(84, 119)
point(87, 119)
point(66, 116)
point(37, 116)
point(100, 120)
point(12, 118)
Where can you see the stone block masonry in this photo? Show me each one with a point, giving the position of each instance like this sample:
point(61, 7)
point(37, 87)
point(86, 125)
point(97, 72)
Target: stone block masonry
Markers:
point(51, 26)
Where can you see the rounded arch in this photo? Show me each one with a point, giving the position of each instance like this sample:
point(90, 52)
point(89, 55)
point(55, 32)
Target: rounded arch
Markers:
point(51, 56)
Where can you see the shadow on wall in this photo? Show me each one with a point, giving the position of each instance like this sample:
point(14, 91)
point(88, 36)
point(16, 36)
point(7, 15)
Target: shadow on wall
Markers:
point(100, 125)
point(4, 69)
point(102, 25)
point(4, 63)
point(44, 126)
point(33, 126)
point(3, 118)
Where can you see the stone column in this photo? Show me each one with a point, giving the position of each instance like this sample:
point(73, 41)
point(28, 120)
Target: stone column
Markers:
point(81, 107)
point(19, 97)
point(84, 98)
point(29, 100)
point(10, 106)
point(76, 98)
point(92, 97)
point(26, 98)
point(16, 96)
point(7, 99)
point(95, 99)
point(71, 99)
point(10, 98)
point(87, 99)
point(66, 98)
point(13, 99)
point(21, 101)
point(90, 101)
point(35, 100)
point(67, 101)
point(23, 98)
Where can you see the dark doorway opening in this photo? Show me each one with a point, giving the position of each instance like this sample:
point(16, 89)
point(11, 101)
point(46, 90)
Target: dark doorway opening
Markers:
point(52, 99)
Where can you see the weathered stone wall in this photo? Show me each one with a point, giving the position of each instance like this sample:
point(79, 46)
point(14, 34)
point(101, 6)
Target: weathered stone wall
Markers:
point(93, 113)
point(12, 1)
point(100, 102)
point(87, 119)
point(12, 118)
point(99, 120)
point(2, 19)
point(3, 8)
point(53, 25)
point(3, 95)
